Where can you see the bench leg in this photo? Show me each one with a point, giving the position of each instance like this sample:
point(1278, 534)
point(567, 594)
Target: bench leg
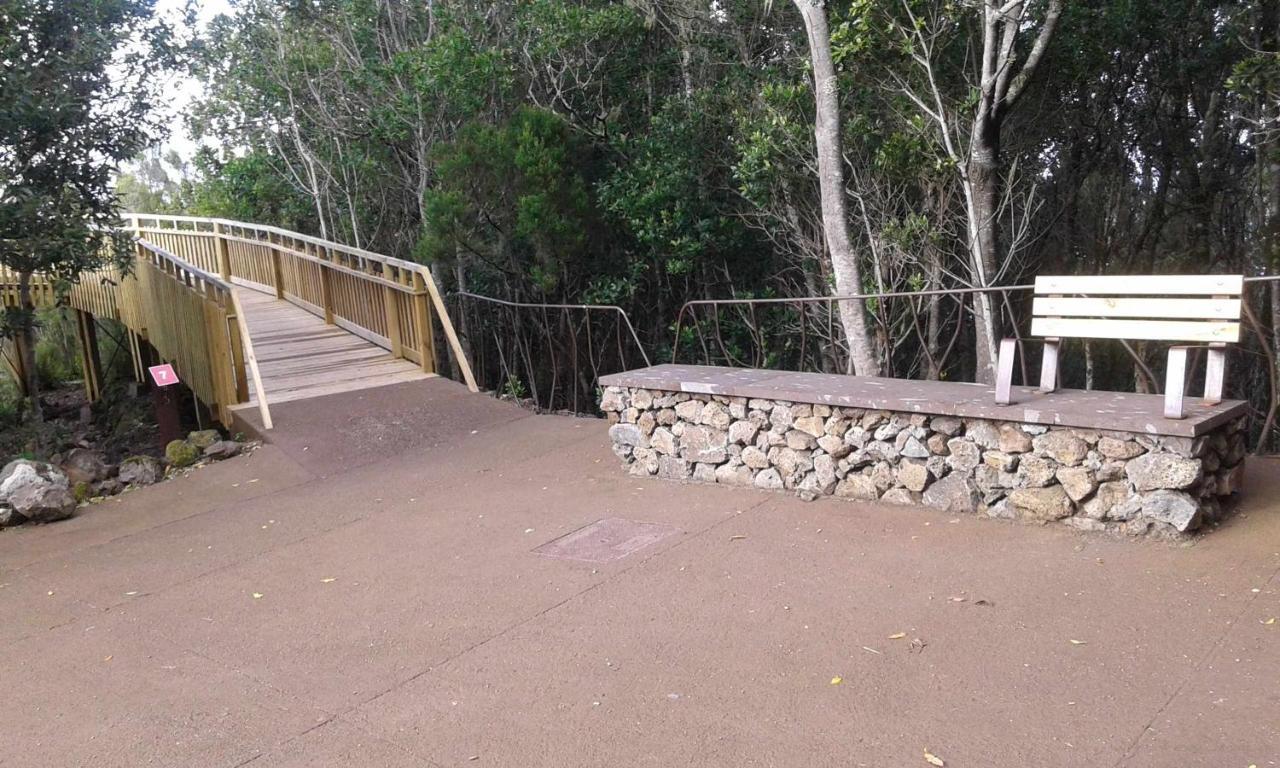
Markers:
point(1175, 382)
point(1004, 370)
point(1049, 366)
point(1215, 372)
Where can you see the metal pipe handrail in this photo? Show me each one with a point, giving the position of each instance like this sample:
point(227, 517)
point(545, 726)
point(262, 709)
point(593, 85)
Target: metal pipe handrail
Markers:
point(533, 305)
point(858, 296)
point(688, 305)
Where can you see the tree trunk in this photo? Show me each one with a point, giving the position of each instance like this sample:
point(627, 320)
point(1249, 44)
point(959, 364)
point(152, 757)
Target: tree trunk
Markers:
point(27, 344)
point(933, 333)
point(984, 243)
point(835, 219)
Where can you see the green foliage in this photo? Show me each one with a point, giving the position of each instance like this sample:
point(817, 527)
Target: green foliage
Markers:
point(247, 188)
point(76, 104)
point(646, 154)
point(514, 388)
point(57, 349)
point(660, 193)
point(515, 195)
point(76, 97)
point(155, 184)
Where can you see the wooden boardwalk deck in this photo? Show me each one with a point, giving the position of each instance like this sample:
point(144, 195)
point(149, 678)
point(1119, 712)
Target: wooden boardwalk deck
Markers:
point(300, 357)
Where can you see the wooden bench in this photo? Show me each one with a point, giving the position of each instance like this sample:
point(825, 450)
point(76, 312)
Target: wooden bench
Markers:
point(1177, 308)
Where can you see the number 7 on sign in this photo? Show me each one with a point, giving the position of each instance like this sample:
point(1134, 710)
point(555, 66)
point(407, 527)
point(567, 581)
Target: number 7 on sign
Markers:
point(163, 375)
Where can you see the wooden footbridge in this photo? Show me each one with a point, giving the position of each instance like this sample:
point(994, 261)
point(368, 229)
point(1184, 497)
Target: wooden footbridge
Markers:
point(250, 315)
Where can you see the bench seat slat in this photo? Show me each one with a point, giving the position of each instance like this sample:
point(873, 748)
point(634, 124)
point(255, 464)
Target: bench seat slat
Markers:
point(1146, 285)
point(1156, 330)
point(1171, 309)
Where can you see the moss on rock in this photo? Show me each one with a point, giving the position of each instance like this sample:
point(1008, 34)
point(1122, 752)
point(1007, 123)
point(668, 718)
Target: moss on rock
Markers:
point(181, 453)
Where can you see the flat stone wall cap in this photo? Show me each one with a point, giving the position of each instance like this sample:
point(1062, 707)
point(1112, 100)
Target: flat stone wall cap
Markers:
point(1112, 411)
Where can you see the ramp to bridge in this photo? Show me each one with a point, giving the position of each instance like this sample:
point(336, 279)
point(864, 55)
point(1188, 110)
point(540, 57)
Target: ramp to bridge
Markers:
point(301, 357)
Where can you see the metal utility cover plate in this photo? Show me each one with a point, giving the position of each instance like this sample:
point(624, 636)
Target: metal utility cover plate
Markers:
point(606, 540)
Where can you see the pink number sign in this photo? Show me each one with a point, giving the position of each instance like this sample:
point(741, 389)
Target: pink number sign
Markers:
point(163, 375)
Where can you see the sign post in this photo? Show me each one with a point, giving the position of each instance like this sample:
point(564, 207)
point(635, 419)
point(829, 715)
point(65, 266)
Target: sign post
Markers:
point(164, 398)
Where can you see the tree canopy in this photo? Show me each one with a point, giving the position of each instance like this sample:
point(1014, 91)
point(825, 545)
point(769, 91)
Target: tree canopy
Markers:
point(77, 91)
point(647, 153)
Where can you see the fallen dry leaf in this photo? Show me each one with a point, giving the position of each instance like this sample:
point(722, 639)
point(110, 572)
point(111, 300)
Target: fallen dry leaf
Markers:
point(897, 635)
point(108, 658)
point(933, 759)
point(1270, 621)
point(958, 599)
point(1079, 642)
point(329, 580)
point(257, 595)
point(837, 680)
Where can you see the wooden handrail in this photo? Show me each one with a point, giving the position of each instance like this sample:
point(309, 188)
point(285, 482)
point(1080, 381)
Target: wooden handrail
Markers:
point(388, 301)
point(191, 316)
point(218, 372)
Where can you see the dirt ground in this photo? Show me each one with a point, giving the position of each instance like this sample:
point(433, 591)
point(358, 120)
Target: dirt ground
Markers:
point(363, 591)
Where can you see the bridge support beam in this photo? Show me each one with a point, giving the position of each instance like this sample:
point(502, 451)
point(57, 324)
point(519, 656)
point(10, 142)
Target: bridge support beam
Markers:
point(15, 361)
point(90, 359)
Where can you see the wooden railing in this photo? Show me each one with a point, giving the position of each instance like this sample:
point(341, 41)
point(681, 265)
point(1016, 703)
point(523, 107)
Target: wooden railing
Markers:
point(195, 321)
point(389, 302)
point(191, 317)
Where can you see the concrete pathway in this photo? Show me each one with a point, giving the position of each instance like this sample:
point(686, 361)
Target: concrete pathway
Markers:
point(363, 592)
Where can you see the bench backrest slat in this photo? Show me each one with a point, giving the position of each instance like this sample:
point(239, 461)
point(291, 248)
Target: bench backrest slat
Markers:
point(1204, 308)
point(1141, 285)
point(1151, 330)
point(1180, 309)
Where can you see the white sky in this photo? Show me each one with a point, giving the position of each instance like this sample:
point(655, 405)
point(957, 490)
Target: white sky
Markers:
point(185, 90)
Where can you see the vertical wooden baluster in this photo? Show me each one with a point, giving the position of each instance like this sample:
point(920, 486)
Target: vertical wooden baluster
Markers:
point(326, 288)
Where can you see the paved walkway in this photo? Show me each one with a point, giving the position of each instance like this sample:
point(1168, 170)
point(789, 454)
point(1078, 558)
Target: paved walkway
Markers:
point(365, 593)
point(300, 357)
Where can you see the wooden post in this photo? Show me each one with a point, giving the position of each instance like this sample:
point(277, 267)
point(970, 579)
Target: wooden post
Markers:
point(90, 360)
point(391, 305)
point(277, 269)
point(326, 292)
point(237, 357)
point(224, 254)
point(423, 325)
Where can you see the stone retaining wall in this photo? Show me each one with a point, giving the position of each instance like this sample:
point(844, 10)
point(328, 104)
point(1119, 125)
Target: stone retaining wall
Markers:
point(1089, 479)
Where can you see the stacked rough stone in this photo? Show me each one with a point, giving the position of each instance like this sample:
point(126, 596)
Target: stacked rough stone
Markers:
point(1089, 479)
